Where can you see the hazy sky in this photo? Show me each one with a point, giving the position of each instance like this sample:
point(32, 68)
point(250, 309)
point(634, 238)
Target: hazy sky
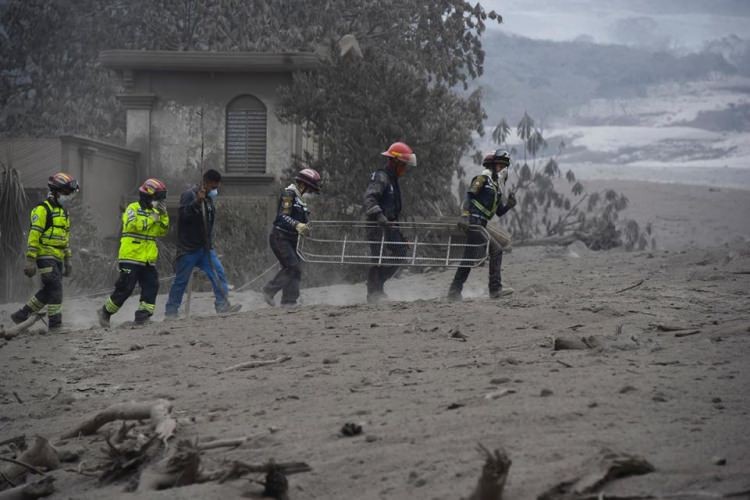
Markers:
point(682, 24)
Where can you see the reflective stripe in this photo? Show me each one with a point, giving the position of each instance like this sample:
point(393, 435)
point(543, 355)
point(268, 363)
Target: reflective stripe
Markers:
point(34, 304)
point(53, 309)
point(139, 236)
point(145, 306)
point(482, 209)
point(45, 270)
point(110, 306)
point(136, 262)
point(37, 228)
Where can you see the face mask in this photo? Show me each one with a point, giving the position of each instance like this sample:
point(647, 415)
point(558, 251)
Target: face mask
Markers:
point(64, 199)
point(154, 203)
point(213, 193)
point(503, 176)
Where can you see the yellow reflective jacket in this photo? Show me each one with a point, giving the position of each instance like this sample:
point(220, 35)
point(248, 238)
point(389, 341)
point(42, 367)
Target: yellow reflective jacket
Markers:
point(140, 228)
point(49, 236)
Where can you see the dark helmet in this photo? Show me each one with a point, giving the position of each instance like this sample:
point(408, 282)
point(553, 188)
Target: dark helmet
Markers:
point(310, 178)
point(498, 157)
point(62, 183)
point(155, 188)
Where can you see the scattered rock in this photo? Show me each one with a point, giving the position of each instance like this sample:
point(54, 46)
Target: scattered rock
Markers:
point(330, 361)
point(456, 334)
point(164, 332)
point(371, 439)
point(659, 397)
point(573, 343)
point(136, 347)
point(454, 406)
point(719, 461)
point(545, 392)
point(351, 429)
point(626, 389)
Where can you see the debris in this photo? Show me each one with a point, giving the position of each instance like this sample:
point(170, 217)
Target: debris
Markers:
point(136, 347)
point(630, 287)
point(499, 394)
point(545, 392)
point(494, 475)
point(626, 389)
point(605, 467)
point(255, 364)
point(662, 327)
point(17, 441)
point(30, 491)
point(687, 333)
point(18, 398)
point(455, 406)
point(180, 468)
point(457, 335)
point(572, 343)
point(499, 380)
point(40, 455)
point(276, 484)
point(566, 365)
point(351, 429)
point(159, 411)
point(719, 461)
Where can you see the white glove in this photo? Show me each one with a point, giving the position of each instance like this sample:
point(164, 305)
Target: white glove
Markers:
point(302, 228)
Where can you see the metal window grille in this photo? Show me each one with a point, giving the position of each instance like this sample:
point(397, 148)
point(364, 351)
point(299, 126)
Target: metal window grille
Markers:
point(246, 129)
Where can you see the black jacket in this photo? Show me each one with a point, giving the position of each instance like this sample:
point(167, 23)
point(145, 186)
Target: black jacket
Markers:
point(292, 210)
point(484, 199)
point(192, 233)
point(383, 195)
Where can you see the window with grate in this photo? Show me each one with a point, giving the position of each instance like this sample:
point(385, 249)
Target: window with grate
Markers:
point(246, 136)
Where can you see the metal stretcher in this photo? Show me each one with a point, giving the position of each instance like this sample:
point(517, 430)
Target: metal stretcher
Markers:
point(400, 244)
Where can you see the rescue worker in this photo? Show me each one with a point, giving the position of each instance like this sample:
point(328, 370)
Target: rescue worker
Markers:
point(291, 221)
point(142, 222)
point(382, 204)
point(49, 250)
point(195, 227)
point(483, 201)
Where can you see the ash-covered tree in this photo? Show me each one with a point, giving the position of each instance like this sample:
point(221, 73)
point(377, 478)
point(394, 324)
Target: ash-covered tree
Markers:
point(551, 209)
point(409, 85)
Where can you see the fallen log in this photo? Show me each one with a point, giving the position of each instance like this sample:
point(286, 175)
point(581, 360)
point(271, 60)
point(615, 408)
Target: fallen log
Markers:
point(13, 331)
point(494, 475)
point(30, 491)
point(158, 411)
point(605, 467)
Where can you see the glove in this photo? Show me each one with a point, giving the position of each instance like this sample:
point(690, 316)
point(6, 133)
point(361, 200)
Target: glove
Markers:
point(30, 268)
point(67, 268)
point(302, 228)
point(161, 207)
point(382, 220)
point(463, 224)
point(511, 200)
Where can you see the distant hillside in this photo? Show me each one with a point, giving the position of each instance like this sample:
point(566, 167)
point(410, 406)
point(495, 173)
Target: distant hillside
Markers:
point(547, 78)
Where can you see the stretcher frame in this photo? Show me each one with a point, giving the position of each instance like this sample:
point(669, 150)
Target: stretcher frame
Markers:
point(449, 245)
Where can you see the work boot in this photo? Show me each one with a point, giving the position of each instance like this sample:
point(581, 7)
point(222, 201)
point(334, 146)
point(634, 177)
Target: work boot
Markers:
point(21, 315)
point(103, 316)
point(141, 317)
point(503, 292)
point(228, 308)
point(376, 297)
point(268, 297)
point(454, 296)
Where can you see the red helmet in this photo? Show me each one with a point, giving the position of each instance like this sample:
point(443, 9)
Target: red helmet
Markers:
point(63, 183)
point(154, 187)
point(402, 152)
point(310, 178)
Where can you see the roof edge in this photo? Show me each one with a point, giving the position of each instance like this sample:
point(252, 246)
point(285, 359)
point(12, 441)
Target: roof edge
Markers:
point(205, 61)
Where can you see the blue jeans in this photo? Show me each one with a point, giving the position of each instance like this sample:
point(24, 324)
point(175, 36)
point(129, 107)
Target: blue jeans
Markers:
point(184, 267)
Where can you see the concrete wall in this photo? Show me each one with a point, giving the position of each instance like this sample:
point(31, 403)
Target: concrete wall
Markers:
point(173, 132)
point(106, 172)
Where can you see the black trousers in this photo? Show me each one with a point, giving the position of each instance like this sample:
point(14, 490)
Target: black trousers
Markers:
point(475, 252)
point(130, 275)
point(51, 293)
point(284, 247)
point(392, 247)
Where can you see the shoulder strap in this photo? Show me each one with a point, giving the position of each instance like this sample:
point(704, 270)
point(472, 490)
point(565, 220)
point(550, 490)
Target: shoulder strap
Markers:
point(48, 220)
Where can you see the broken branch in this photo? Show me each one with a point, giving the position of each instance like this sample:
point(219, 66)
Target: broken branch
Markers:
point(38, 489)
point(254, 364)
point(159, 412)
point(631, 287)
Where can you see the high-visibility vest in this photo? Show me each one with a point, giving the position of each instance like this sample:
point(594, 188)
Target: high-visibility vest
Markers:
point(140, 228)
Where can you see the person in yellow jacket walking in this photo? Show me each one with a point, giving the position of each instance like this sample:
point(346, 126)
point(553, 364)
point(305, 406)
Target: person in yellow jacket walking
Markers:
point(142, 222)
point(49, 250)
